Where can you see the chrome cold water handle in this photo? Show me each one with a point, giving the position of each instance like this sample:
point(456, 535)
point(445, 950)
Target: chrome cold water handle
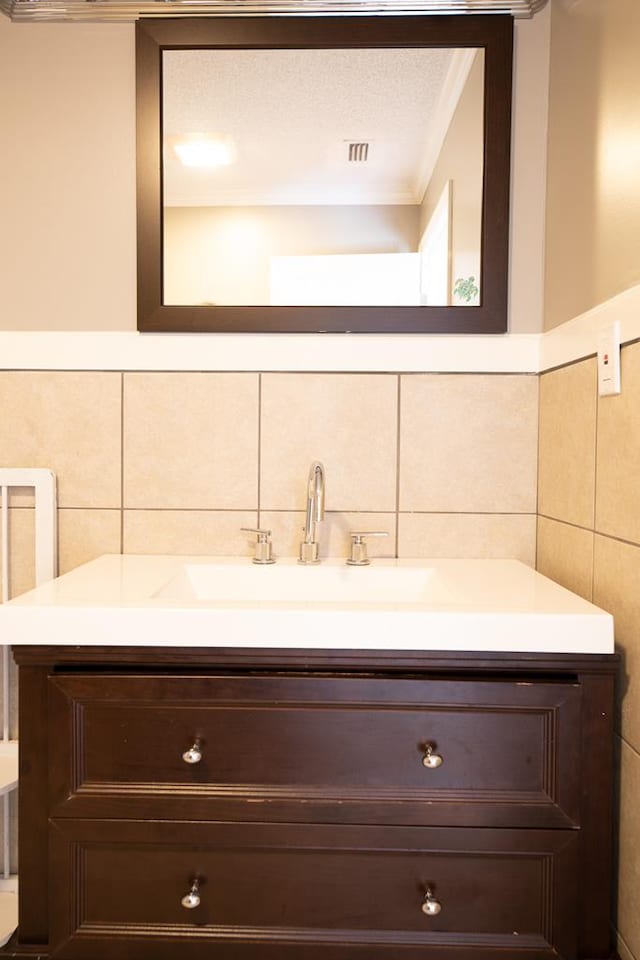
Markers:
point(192, 899)
point(358, 556)
point(263, 550)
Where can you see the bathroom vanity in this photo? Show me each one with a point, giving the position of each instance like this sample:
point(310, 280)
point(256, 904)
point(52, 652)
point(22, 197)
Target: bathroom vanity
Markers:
point(323, 792)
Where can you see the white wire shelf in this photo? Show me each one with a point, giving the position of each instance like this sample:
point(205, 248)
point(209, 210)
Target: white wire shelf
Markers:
point(8, 766)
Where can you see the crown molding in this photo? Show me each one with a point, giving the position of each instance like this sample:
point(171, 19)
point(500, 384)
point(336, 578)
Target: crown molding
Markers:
point(110, 10)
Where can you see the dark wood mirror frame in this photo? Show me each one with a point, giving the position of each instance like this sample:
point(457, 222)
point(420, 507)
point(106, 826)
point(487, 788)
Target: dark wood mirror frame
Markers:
point(492, 33)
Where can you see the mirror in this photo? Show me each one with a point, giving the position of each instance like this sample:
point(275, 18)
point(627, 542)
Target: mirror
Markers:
point(324, 174)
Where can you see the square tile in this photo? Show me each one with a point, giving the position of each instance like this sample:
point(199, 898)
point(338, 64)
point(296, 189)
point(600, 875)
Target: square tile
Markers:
point(616, 588)
point(468, 443)
point(565, 554)
point(566, 477)
point(618, 464)
point(460, 535)
point(191, 441)
point(623, 951)
point(189, 532)
point(70, 423)
point(347, 421)
point(629, 849)
point(84, 535)
point(21, 552)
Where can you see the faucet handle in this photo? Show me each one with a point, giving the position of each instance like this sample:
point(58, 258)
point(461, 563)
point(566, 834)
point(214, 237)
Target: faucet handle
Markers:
point(359, 557)
point(264, 547)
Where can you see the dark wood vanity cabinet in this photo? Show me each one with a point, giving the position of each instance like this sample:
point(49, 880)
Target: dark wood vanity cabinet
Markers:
point(290, 805)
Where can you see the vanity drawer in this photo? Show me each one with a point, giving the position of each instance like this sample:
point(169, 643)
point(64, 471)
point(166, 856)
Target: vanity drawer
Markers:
point(305, 891)
point(361, 749)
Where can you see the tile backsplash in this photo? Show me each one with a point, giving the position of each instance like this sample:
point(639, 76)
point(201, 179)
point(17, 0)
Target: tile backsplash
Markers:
point(179, 462)
point(589, 541)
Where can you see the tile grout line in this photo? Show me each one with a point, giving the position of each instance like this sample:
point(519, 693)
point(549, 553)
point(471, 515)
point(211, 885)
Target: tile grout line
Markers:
point(596, 533)
point(595, 485)
point(398, 430)
point(538, 514)
point(122, 461)
point(631, 747)
point(627, 947)
point(259, 465)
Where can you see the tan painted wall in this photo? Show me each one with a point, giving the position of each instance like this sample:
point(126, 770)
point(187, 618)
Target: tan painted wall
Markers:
point(67, 176)
point(593, 197)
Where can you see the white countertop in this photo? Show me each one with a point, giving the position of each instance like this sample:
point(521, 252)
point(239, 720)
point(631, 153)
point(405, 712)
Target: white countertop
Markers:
point(471, 605)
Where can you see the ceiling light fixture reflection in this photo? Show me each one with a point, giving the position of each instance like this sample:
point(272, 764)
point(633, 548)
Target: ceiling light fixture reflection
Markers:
point(205, 150)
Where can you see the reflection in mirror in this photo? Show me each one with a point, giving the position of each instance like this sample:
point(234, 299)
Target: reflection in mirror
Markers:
point(323, 177)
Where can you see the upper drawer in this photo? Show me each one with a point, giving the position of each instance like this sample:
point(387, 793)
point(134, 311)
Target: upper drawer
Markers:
point(394, 749)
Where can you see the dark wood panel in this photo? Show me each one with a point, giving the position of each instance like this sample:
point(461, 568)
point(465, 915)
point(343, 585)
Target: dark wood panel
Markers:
point(301, 886)
point(33, 814)
point(504, 747)
point(392, 661)
point(596, 861)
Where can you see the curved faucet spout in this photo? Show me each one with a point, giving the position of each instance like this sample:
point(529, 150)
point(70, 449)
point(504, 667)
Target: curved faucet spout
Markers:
point(309, 548)
point(315, 492)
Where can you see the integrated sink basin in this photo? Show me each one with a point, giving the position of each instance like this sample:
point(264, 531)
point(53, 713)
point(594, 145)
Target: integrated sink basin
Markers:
point(478, 605)
point(289, 582)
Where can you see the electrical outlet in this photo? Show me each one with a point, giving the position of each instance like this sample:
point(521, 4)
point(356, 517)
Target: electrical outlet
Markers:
point(609, 359)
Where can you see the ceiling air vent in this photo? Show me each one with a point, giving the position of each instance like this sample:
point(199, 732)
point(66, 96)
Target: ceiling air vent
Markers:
point(358, 152)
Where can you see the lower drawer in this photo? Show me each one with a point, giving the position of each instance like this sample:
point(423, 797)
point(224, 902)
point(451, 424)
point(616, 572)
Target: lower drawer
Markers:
point(301, 892)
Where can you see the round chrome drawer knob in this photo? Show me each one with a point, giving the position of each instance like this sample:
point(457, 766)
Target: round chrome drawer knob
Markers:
point(431, 760)
point(193, 754)
point(430, 905)
point(192, 899)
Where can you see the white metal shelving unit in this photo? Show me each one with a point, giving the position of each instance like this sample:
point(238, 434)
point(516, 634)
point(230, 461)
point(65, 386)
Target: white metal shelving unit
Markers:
point(43, 483)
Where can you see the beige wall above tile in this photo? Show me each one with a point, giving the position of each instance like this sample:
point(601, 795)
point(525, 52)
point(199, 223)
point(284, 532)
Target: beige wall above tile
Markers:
point(70, 423)
point(468, 443)
point(348, 421)
point(618, 464)
point(191, 441)
point(566, 488)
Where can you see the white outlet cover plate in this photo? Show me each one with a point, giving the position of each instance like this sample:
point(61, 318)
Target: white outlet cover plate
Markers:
point(609, 359)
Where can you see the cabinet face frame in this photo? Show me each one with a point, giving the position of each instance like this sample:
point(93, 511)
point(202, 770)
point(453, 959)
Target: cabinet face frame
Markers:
point(494, 34)
point(595, 675)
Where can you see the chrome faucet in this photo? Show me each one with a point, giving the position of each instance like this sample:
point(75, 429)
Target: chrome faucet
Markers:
point(309, 548)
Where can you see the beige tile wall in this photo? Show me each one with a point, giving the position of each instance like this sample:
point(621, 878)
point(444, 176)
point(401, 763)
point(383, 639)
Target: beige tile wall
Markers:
point(589, 540)
point(179, 462)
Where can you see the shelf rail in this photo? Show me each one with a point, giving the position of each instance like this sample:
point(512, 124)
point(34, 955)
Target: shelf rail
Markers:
point(43, 482)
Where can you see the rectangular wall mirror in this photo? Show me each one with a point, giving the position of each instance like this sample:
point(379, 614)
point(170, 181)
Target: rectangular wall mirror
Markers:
point(324, 174)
